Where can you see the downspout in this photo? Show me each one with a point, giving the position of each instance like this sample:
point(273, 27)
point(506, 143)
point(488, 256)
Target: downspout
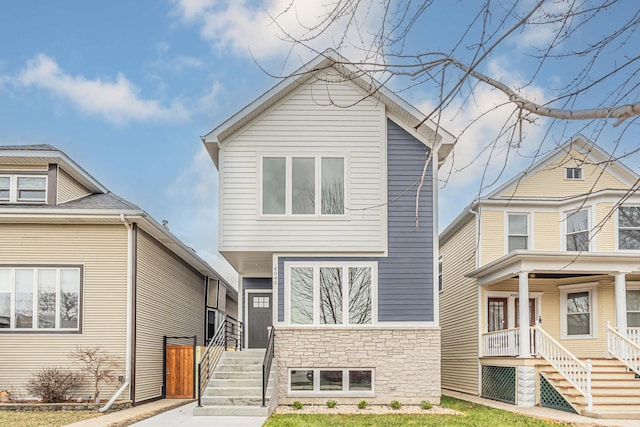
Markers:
point(127, 374)
point(477, 249)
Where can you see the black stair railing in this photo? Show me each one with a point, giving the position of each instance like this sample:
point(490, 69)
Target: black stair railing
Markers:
point(228, 336)
point(266, 364)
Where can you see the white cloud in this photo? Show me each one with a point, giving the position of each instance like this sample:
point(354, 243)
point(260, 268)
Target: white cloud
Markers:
point(545, 23)
point(194, 199)
point(116, 100)
point(247, 27)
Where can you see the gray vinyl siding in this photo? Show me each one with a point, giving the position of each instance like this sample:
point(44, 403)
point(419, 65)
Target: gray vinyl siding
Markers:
point(170, 301)
point(405, 276)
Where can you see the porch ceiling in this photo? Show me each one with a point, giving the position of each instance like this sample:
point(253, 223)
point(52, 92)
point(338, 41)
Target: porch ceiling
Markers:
point(250, 264)
point(550, 264)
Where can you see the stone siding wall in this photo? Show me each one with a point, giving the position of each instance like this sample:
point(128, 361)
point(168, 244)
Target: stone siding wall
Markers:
point(406, 362)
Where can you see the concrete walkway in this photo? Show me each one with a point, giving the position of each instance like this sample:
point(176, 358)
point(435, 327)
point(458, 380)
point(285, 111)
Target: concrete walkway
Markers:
point(166, 413)
point(540, 412)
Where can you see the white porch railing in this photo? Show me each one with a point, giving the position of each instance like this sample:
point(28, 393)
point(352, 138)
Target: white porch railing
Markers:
point(506, 342)
point(571, 368)
point(634, 335)
point(624, 349)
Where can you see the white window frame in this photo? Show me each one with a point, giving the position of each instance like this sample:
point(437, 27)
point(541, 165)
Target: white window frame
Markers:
point(569, 173)
point(564, 228)
point(631, 286)
point(507, 231)
point(338, 393)
point(617, 230)
point(13, 188)
point(316, 265)
point(592, 289)
point(56, 329)
point(440, 266)
point(318, 186)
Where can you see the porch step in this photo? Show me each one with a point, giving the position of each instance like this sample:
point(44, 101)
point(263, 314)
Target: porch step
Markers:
point(222, 410)
point(232, 375)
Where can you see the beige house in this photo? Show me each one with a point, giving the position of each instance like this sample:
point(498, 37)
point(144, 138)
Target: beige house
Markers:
point(80, 267)
point(540, 298)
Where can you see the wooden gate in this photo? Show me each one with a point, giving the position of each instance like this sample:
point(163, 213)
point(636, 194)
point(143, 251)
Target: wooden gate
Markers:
point(179, 371)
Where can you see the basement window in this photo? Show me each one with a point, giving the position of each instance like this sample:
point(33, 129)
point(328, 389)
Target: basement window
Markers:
point(331, 381)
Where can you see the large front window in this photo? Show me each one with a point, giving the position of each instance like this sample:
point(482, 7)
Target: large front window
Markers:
point(578, 311)
point(577, 233)
point(43, 298)
point(518, 236)
point(331, 294)
point(23, 188)
point(629, 227)
point(301, 185)
point(633, 308)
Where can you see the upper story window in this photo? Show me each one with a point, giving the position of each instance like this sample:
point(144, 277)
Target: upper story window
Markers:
point(331, 294)
point(303, 185)
point(518, 232)
point(23, 188)
point(40, 299)
point(577, 230)
point(629, 227)
point(573, 173)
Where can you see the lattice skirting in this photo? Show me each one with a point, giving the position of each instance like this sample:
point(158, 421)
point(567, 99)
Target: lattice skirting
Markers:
point(550, 398)
point(499, 383)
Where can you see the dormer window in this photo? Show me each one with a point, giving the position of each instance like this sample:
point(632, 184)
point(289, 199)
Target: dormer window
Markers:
point(23, 188)
point(573, 173)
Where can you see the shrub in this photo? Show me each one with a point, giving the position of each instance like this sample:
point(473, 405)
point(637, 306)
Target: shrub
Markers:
point(426, 405)
point(297, 405)
point(395, 405)
point(362, 404)
point(98, 364)
point(54, 385)
point(331, 403)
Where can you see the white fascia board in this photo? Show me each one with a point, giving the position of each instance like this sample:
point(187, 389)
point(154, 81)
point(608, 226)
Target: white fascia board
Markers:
point(597, 196)
point(462, 218)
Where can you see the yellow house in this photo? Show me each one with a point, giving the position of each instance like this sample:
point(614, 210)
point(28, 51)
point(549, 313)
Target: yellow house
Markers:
point(540, 297)
point(81, 267)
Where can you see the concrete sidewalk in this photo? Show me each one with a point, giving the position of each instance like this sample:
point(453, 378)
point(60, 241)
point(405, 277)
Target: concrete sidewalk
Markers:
point(166, 413)
point(540, 412)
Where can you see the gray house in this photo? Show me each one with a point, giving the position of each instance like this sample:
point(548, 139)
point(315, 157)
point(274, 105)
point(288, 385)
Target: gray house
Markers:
point(318, 184)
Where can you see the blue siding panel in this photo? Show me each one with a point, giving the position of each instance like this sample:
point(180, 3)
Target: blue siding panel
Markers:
point(256, 283)
point(405, 277)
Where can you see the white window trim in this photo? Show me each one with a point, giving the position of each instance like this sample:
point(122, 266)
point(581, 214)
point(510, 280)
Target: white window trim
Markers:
point(506, 230)
point(56, 329)
point(617, 230)
point(316, 392)
point(318, 187)
point(631, 286)
point(565, 215)
point(316, 265)
point(13, 188)
point(511, 306)
point(592, 289)
point(566, 171)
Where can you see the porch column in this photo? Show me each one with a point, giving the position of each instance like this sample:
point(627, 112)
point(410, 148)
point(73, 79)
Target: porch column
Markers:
point(620, 292)
point(523, 308)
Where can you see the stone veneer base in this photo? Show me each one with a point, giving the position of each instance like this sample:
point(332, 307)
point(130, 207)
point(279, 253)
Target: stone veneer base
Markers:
point(406, 361)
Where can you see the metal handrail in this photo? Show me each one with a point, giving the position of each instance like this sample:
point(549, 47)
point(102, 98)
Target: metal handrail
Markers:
point(229, 331)
point(266, 364)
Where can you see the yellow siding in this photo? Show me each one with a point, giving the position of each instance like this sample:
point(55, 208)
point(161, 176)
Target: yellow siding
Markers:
point(604, 227)
point(102, 250)
point(546, 231)
point(551, 182)
point(170, 301)
point(492, 235)
point(69, 188)
point(459, 312)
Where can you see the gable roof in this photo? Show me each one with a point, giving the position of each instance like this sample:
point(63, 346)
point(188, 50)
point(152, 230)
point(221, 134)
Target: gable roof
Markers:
point(586, 147)
point(101, 206)
point(405, 113)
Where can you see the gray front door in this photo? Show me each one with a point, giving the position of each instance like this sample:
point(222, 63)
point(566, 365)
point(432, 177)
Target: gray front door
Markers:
point(259, 318)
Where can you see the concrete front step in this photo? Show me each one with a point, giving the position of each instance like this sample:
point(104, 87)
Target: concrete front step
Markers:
point(237, 375)
point(226, 367)
point(613, 413)
point(234, 391)
point(232, 400)
point(236, 382)
point(230, 410)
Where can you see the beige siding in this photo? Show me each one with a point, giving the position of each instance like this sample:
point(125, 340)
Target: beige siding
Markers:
point(459, 312)
point(491, 236)
point(308, 122)
point(69, 188)
point(102, 251)
point(546, 231)
point(604, 227)
point(551, 182)
point(170, 301)
point(18, 167)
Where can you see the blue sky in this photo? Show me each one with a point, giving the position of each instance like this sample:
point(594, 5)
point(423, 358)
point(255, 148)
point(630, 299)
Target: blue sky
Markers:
point(126, 88)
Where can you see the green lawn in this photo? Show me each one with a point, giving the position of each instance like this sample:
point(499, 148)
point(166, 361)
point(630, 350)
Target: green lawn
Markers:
point(43, 418)
point(475, 415)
